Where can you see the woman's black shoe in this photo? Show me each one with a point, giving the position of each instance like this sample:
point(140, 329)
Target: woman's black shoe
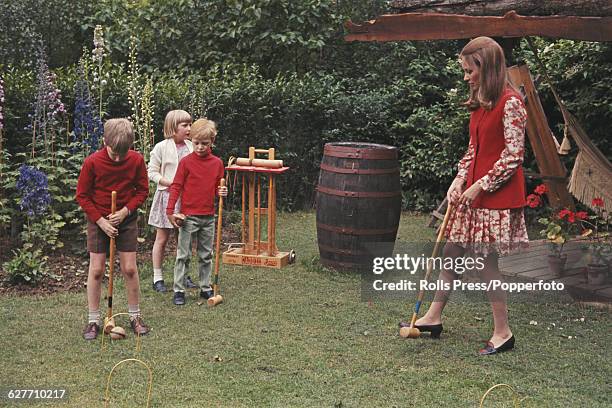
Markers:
point(490, 349)
point(434, 329)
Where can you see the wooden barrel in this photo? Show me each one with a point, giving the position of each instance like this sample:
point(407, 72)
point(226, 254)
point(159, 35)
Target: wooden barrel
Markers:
point(358, 203)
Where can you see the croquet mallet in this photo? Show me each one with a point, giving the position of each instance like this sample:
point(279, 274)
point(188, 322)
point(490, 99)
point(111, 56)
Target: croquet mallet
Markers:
point(217, 298)
point(109, 322)
point(412, 332)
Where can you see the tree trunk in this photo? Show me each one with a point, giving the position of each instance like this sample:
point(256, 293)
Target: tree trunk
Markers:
point(585, 8)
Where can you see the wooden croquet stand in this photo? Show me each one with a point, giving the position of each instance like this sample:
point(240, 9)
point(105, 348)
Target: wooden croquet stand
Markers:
point(252, 250)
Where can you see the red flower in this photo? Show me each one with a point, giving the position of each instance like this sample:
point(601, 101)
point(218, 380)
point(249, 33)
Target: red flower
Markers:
point(533, 200)
point(541, 189)
point(582, 215)
point(597, 202)
point(564, 213)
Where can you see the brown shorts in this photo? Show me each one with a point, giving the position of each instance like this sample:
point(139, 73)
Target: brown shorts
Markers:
point(127, 240)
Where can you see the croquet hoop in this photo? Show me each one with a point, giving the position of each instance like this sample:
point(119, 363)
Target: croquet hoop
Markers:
point(514, 395)
point(110, 375)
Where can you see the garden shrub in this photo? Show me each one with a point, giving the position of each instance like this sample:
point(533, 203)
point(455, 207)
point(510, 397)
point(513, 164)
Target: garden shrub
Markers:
point(26, 266)
point(271, 73)
point(278, 73)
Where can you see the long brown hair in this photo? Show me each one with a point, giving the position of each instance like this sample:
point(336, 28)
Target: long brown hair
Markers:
point(488, 56)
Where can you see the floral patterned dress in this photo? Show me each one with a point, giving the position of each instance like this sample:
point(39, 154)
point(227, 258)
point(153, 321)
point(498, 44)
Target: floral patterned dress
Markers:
point(482, 230)
point(157, 216)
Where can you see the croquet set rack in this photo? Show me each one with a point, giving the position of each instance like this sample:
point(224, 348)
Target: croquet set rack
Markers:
point(252, 251)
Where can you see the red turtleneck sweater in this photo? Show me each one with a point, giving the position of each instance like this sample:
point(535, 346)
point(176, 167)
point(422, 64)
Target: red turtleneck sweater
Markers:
point(100, 176)
point(196, 182)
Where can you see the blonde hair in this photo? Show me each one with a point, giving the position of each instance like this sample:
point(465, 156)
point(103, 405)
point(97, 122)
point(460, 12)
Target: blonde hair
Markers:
point(204, 129)
point(173, 119)
point(488, 56)
point(119, 135)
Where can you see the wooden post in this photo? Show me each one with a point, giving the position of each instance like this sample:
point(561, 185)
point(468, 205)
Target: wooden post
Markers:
point(270, 216)
point(243, 210)
point(258, 213)
point(544, 148)
point(273, 205)
point(251, 240)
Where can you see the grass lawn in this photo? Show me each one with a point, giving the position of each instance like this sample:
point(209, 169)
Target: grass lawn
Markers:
point(302, 337)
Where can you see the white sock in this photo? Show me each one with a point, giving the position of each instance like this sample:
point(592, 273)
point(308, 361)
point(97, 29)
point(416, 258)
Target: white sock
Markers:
point(134, 311)
point(94, 316)
point(157, 275)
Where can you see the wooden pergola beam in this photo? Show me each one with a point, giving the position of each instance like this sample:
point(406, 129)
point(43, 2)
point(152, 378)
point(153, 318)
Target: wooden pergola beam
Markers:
point(438, 26)
point(583, 8)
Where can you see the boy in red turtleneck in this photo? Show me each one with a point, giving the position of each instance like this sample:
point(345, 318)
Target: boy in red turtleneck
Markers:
point(197, 179)
point(113, 168)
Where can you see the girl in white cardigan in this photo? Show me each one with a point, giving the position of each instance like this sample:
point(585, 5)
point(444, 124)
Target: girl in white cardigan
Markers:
point(165, 158)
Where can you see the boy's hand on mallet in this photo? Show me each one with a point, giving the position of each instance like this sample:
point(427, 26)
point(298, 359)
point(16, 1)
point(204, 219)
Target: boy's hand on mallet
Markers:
point(222, 191)
point(118, 217)
point(176, 219)
point(106, 226)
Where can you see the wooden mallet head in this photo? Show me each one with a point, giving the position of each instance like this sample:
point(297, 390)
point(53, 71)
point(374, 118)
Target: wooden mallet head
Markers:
point(215, 300)
point(409, 332)
point(109, 325)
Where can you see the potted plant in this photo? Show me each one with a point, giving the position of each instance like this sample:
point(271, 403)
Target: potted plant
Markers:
point(600, 244)
point(560, 226)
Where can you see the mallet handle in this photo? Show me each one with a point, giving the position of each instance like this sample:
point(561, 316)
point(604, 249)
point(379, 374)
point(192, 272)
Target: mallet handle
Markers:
point(430, 264)
point(218, 243)
point(111, 261)
point(258, 213)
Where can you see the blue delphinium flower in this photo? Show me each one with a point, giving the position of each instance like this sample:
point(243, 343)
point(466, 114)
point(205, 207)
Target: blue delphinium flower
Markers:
point(33, 188)
point(87, 125)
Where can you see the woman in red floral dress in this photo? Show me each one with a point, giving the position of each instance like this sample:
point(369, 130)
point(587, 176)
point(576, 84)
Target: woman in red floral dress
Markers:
point(488, 193)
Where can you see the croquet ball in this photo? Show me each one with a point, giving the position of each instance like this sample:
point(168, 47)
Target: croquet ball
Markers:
point(108, 326)
point(117, 333)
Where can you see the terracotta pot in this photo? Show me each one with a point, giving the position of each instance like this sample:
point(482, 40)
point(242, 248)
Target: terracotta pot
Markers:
point(597, 274)
point(556, 265)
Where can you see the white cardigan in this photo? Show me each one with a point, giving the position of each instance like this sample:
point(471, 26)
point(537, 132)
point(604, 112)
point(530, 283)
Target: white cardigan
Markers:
point(164, 161)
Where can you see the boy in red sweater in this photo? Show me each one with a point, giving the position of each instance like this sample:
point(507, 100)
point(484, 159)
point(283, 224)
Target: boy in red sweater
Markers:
point(113, 168)
point(197, 179)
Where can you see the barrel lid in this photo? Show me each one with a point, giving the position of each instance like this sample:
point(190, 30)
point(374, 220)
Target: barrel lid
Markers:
point(360, 150)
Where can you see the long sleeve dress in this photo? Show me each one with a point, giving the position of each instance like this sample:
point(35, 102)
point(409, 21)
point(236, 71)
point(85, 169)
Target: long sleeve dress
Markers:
point(159, 157)
point(486, 230)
